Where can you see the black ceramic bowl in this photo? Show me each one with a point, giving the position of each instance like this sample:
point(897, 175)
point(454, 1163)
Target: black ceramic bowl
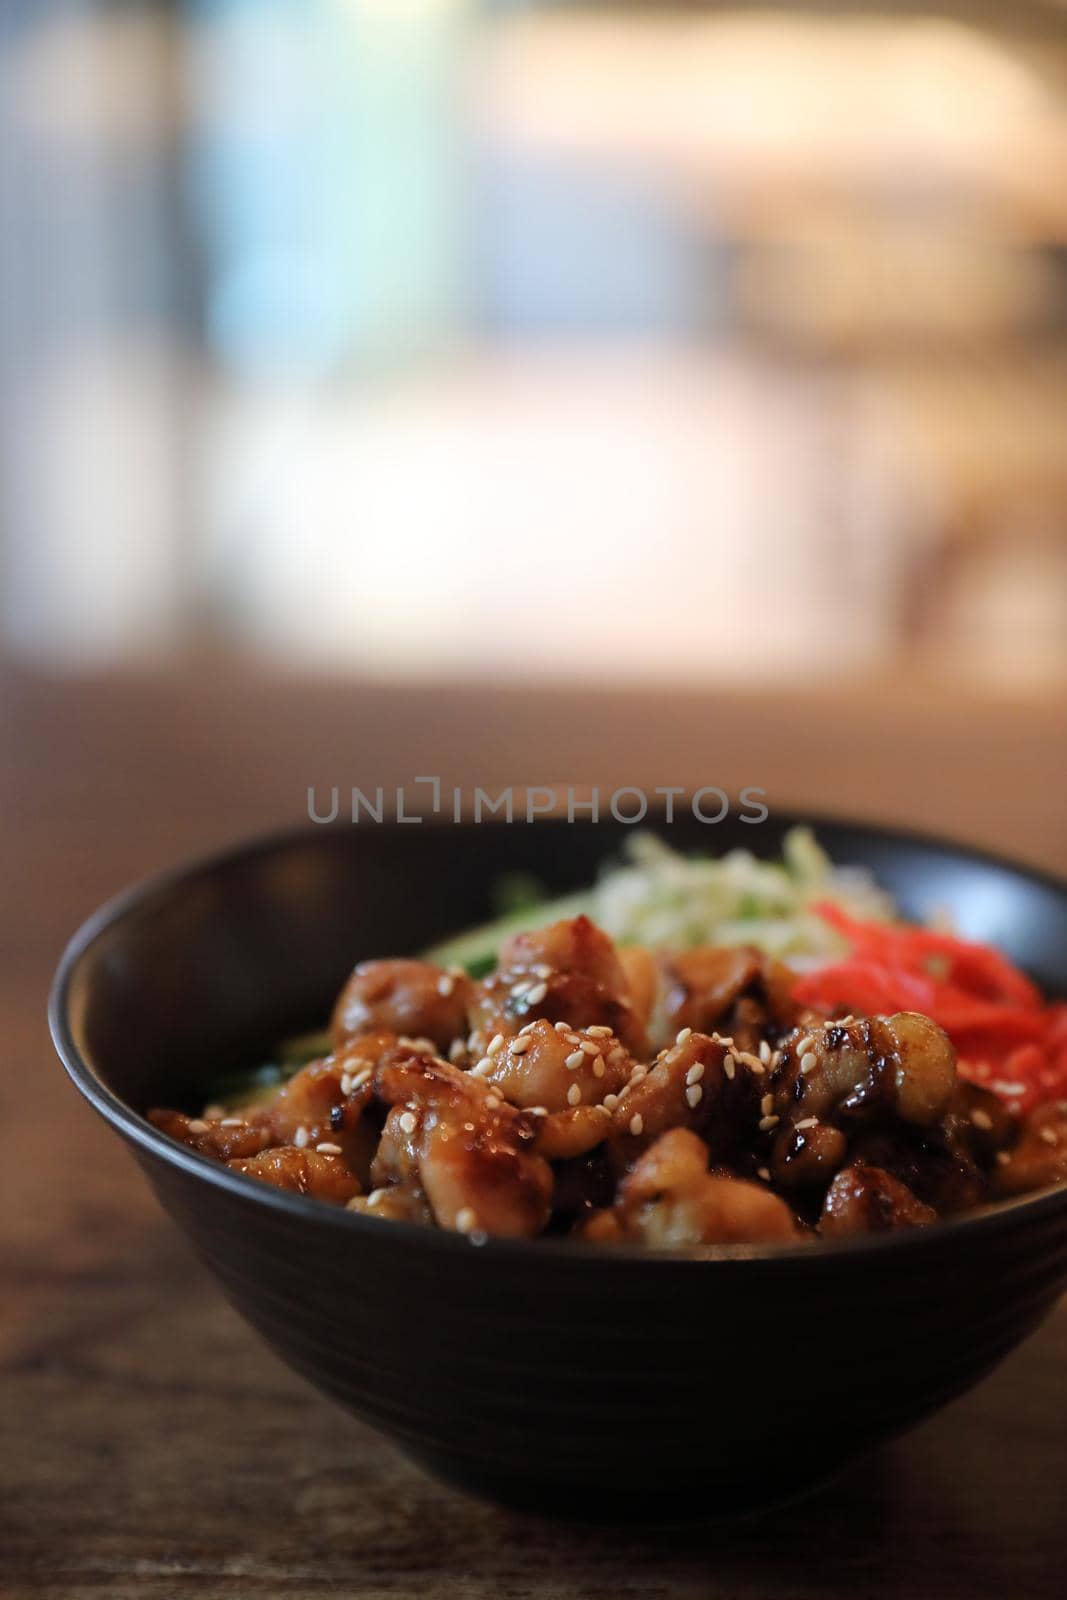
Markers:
point(543, 1374)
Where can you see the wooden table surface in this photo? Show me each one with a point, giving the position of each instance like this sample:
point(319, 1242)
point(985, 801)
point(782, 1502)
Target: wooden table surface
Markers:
point(149, 1446)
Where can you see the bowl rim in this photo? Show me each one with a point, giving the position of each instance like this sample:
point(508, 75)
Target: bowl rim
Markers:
point(995, 1216)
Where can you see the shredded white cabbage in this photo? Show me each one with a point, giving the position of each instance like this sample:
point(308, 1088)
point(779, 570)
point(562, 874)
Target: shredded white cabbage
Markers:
point(666, 900)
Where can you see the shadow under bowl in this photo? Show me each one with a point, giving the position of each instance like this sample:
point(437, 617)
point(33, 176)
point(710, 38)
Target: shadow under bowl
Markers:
point(546, 1375)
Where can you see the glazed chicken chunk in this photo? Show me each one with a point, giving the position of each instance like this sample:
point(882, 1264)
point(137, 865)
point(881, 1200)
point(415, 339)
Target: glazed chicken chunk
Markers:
point(568, 1074)
point(412, 999)
point(697, 1084)
point(671, 1199)
point(865, 1199)
point(1039, 1158)
point(569, 972)
point(468, 1151)
point(901, 1066)
point(735, 991)
point(325, 1176)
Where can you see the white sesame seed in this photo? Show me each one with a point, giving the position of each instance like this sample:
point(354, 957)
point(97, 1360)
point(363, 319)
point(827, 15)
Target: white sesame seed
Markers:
point(766, 1105)
point(1003, 1086)
point(1049, 1136)
point(638, 1073)
point(466, 1219)
point(300, 1138)
point(590, 1047)
point(804, 1044)
point(572, 1038)
point(542, 971)
point(764, 1052)
point(694, 1094)
point(806, 1122)
point(981, 1119)
point(197, 1125)
point(808, 1062)
point(766, 1123)
point(214, 1111)
point(327, 1149)
point(374, 1196)
point(408, 1121)
point(574, 1094)
point(446, 984)
point(598, 1067)
point(495, 1045)
point(484, 1067)
point(610, 1102)
point(527, 1027)
point(560, 1027)
point(538, 1111)
point(682, 1035)
point(346, 1083)
point(231, 1122)
point(358, 1079)
point(519, 1047)
point(456, 1049)
point(637, 1125)
point(728, 1066)
point(575, 1060)
point(695, 1073)
point(535, 995)
point(598, 1031)
point(764, 1173)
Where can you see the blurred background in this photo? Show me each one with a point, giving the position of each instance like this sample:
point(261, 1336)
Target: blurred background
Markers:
point(470, 340)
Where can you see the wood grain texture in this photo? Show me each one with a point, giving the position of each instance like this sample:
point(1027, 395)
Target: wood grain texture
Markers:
point(149, 1447)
